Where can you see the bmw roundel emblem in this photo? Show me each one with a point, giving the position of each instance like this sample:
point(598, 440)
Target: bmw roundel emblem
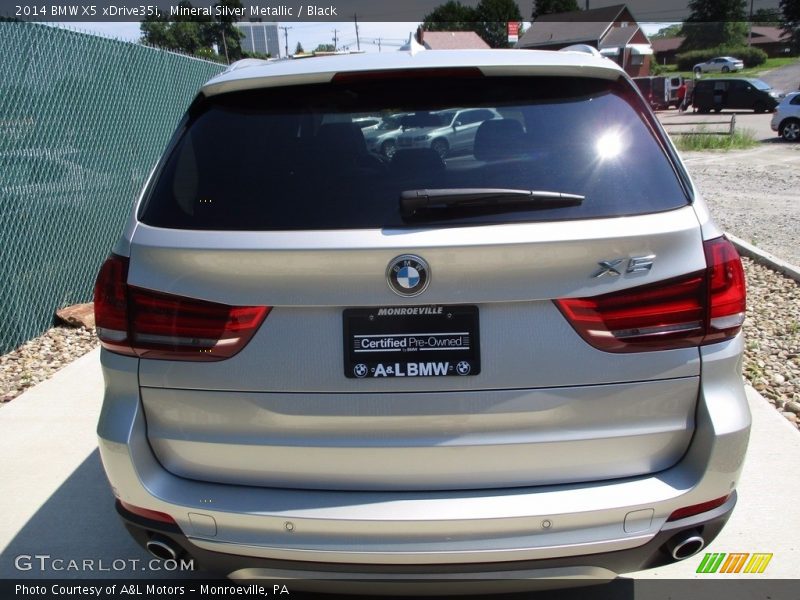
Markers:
point(408, 275)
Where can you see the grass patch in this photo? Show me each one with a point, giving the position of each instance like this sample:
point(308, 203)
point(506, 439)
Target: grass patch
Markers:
point(771, 63)
point(740, 140)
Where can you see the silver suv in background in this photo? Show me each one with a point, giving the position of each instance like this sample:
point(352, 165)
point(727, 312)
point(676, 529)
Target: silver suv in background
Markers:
point(383, 138)
point(786, 120)
point(524, 363)
point(448, 132)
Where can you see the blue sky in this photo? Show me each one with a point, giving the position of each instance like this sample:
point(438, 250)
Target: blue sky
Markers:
point(311, 34)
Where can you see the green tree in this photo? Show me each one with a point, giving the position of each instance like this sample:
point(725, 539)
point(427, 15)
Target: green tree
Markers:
point(549, 7)
point(223, 33)
point(325, 48)
point(489, 19)
point(182, 34)
point(493, 17)
point(715, 23)
point(450, 16)
point(669, 31)
point(766, 16)
point(790, 10)
point(299, 49)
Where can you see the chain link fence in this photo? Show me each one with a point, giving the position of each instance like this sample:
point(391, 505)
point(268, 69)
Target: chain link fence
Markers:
point(82, 121)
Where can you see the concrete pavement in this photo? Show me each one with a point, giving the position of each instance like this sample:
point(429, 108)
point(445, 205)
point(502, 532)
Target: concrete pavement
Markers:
point(57, 503)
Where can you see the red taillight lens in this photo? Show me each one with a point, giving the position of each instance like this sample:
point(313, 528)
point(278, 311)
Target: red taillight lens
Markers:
point(150, 324)
point(727, 290)
point(696, 509)
point(668, 314)
point(700, 308)
point(178, 328)
point(111, 305)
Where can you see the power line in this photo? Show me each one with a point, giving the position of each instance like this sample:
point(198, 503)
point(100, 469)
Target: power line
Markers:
point(382, 41)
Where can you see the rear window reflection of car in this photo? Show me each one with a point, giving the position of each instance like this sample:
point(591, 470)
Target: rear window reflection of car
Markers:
point(308, 166)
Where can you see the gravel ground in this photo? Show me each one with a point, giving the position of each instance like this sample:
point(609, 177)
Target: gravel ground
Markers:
point(772, 338)
point(771, 364)
point(39, 358)
point(753, 194)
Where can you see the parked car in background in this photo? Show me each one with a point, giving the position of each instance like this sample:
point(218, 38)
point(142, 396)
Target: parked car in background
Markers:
point(367, 124)
point(786, 120)
point(448, 132)
point(734, 93)
point(322, 365)
point(382, 139)
point(656, 91)
point(721, 64)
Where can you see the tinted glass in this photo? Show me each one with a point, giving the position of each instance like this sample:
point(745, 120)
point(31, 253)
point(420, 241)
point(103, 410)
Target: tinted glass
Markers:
point(294, 158)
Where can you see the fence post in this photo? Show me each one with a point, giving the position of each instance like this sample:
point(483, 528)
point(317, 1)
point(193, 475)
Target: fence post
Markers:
point(733, 125)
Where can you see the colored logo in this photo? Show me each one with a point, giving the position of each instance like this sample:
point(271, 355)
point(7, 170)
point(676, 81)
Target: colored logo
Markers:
point(408, 275)
point(734, 562)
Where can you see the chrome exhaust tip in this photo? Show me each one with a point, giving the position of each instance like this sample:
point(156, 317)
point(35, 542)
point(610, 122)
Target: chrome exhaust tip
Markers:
point(685, 544)
point(162, 548)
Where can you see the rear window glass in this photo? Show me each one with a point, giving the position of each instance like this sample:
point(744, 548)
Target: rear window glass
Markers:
point(298, 157)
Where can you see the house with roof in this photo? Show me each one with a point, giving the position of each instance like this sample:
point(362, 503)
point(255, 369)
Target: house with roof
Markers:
point(612, 30)
point(665, 50)
point(773, 40)
point(450, 40)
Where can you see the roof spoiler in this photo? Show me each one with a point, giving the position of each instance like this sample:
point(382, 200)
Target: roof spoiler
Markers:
point(584, 48)
point(246, 62)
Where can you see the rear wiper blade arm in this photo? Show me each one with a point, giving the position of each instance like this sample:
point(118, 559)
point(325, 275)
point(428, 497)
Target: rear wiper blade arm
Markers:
point(412, 201)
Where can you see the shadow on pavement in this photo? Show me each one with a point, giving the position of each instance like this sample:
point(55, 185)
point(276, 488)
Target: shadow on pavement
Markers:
point(77, 534)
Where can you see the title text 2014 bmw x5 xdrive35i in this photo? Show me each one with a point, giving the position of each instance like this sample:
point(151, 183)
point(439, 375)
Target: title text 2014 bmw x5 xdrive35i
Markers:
point(325, 363)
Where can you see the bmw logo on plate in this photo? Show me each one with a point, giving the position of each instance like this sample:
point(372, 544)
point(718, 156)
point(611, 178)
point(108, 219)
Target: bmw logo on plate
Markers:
point(408, 275)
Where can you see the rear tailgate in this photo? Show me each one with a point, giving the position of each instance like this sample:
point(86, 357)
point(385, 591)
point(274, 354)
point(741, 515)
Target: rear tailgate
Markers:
point(305, 220)
point(546, 407)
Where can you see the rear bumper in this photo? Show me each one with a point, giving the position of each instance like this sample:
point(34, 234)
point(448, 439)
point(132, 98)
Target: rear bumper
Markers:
point(616, 525)
point(604, 565)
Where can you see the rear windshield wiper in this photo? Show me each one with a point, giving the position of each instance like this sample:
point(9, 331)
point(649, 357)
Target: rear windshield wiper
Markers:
point(414, 201)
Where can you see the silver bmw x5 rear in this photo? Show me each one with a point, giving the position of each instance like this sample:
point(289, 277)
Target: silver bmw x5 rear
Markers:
point(522, 361)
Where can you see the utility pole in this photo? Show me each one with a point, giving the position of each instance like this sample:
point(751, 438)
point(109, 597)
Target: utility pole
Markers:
point(750, 26)
point(377, 41)
point(286, 39)
point(335, 39)
point(358, 41)
point(225, 45)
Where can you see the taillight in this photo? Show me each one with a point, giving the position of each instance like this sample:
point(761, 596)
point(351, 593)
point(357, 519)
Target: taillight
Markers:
point(111, 305)
point(727, 293)
point(148, 324)
point(700, 308)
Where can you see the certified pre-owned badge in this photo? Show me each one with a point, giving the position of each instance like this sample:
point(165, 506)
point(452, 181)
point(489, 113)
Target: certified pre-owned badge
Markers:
point(408, 275)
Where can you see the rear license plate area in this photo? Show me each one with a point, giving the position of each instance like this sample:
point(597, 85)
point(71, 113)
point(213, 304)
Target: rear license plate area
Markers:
point(411, 341)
